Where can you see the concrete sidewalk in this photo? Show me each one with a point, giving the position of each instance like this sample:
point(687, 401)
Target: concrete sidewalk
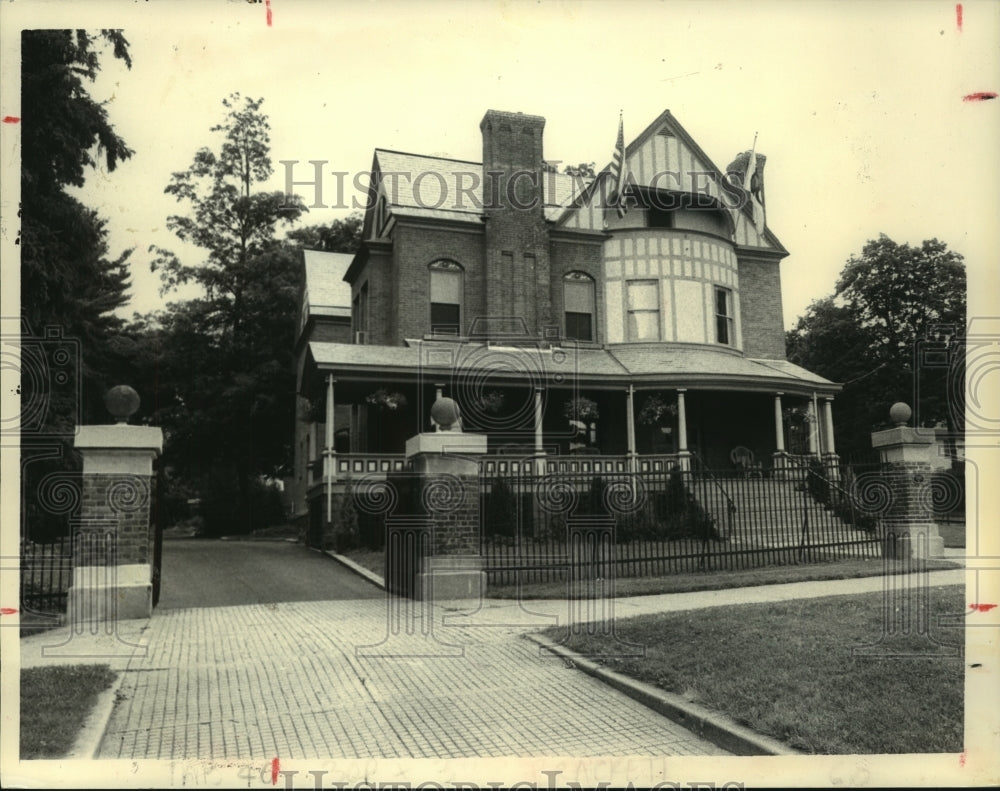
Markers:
point(540, 611)
point(382, 678)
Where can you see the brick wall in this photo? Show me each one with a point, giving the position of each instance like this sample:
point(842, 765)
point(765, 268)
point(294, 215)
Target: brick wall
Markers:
point(378, 274)
point(124, 499)
point(910, 484)
point(331, 329)
point(517, 262)
point(571, 256)
point(456, 523)
point(760, 309)
point(415, 247)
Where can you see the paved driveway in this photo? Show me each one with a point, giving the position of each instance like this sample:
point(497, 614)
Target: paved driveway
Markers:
point(214, 573)
point(330, 676)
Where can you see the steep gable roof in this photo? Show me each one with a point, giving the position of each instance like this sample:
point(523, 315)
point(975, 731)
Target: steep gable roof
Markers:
point(415, 185)
point(662, 149)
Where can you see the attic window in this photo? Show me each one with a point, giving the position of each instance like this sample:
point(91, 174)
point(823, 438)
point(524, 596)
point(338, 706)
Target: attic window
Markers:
point(665, 132)
point(658, 217)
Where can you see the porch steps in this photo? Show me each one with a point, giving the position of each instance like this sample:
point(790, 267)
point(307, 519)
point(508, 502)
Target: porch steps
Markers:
point(772, 513)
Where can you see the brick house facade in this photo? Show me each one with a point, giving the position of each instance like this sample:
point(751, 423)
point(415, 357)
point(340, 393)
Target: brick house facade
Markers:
point(525, 294)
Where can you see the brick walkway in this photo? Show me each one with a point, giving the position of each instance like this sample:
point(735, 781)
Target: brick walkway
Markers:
point(293, 680)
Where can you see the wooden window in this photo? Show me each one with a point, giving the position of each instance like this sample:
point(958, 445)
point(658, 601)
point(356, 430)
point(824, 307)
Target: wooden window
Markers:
point(447, 289)
point(359, 314)
point(724, 316)
point(643, 310)
point(578, 304)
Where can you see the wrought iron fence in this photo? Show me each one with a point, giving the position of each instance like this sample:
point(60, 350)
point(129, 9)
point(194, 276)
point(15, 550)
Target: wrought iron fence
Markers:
point(670, 521)
point(46, 574)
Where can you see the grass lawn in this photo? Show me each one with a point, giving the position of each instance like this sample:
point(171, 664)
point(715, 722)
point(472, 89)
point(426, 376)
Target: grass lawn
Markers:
point(55, 702)
point(786, 670)
point(719, 580)
point(953, 533)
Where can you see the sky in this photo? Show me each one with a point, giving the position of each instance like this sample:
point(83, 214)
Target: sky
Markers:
point(857, 106)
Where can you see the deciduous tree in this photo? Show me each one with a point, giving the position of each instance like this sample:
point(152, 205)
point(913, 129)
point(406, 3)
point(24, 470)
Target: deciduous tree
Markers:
point(226, 357)
point(872, 334)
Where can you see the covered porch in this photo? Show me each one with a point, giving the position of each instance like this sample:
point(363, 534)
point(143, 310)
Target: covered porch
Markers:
point(560, 409)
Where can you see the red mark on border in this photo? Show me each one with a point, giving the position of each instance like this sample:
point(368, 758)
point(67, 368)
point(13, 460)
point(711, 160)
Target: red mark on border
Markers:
point(981, 607)
point(979, 96)
point(267, 3)
point(958, 16)
point(961, 760)
point(8, 610)
point(11, 119)
point(275, 769)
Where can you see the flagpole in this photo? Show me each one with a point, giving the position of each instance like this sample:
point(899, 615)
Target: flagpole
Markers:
point(751, 164)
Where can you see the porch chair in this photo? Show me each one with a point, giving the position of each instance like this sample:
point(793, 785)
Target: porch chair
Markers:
point(742, 458)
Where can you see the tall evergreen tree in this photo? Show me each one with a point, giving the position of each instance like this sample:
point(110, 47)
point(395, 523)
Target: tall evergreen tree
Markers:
point(68, 279)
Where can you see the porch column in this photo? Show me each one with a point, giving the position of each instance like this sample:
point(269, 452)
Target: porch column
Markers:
point(813, 428)
point(630, 430)
point(539, 445)
point(329, 455)
point(682, 430)
point(828, 415)
point(779, 430)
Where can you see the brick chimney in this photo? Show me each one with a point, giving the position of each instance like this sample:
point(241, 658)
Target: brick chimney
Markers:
point(517, 283)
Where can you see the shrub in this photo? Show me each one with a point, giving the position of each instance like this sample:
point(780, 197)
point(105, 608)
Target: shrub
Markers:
point(342, 533)
point(500, 510)
point(817, 482)
point(677, 514)
point(592, 504)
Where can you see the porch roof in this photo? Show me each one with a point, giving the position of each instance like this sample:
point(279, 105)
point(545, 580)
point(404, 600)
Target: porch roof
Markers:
point(696, 363)
point(642, 365)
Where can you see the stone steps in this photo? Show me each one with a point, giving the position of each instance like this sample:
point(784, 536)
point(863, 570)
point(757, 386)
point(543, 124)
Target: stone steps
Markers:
point(770, 513)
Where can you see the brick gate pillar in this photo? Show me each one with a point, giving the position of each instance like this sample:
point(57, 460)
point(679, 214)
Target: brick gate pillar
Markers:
point(113, 542)
point(446, 467)
point(909, 458)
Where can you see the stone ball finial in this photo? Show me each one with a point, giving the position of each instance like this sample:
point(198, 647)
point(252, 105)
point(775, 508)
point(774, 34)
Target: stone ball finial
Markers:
point(446, 414)
point(122, 402)
point(899, 413)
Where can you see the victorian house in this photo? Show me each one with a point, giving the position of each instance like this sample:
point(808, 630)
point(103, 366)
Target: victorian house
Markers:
point(626, 320)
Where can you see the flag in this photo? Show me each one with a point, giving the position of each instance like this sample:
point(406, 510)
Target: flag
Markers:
point(758, 209)
point(618, 168)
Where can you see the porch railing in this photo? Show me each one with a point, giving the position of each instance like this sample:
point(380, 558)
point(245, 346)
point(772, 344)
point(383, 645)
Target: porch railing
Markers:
point(357, 464)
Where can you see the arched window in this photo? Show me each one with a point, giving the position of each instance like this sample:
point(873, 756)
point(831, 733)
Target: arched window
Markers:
point(447, 297)
point(578, 304)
